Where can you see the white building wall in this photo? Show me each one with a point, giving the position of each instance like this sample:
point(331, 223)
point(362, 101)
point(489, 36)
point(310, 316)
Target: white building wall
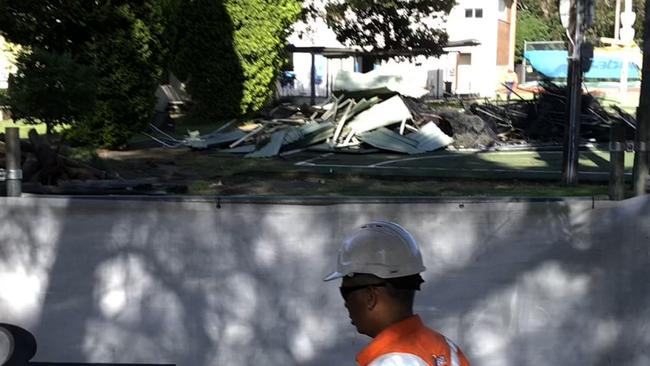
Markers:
point(480, 77)
point(7, 66)
point(482, 74)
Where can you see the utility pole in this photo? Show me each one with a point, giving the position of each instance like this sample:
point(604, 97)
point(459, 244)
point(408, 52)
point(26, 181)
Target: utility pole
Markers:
point(617, 20)
point(312, 79)
point(626, 37)
point(575, 30)
point(642, 138)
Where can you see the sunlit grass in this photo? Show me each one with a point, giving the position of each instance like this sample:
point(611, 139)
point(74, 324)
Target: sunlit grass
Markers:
point(527, 160)
point(24, 128)
point(515, 160)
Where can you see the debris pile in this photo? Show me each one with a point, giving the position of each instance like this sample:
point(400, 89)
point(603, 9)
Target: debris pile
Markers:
point(46, 170)
point(340, 124)
point(542, 119)
point(402, 124)
point(42, 163)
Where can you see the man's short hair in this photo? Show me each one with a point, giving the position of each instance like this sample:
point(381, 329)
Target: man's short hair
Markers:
point(411, 282)
point(400, 289)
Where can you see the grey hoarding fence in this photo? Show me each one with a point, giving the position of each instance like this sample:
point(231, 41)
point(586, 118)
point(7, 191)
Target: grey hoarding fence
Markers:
point(18, 346)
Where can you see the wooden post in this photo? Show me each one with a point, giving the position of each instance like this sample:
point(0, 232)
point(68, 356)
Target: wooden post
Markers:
point(617, 162)
point(14, 171)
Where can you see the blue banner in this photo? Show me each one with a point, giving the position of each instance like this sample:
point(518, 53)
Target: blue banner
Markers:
point(605, 65)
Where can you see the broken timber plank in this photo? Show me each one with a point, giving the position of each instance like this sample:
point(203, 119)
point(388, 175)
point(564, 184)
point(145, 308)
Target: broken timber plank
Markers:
point(339, 127)
point(331, 111)
point(252, 133)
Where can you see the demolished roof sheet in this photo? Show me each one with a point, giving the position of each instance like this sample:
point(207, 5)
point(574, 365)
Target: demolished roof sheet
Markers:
point(388, 112)
point(386, 139)
point(430, 137)
point(312, 133)
point(378, 81)
point(272, 148)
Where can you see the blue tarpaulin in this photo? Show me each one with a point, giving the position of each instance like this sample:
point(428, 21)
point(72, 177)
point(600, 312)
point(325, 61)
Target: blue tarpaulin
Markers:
point(554, 64)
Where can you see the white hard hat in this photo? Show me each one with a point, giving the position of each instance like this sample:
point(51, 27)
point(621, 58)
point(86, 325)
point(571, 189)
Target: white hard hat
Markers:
point(381, 248)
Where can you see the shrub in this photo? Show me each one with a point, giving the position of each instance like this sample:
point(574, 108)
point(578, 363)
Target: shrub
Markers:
point(51, 88)
point(128, 63)
point(118, 40)
point(231, 52)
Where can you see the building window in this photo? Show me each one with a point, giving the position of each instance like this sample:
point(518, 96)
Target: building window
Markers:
point(473, 13)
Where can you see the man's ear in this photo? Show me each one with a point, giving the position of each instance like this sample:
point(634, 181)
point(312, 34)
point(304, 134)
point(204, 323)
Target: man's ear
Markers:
point(372, 298)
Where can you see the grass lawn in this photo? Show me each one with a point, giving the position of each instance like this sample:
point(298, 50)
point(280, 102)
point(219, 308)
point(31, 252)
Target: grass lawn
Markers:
point(444, 173)
point(23, 128)
point(212, 173)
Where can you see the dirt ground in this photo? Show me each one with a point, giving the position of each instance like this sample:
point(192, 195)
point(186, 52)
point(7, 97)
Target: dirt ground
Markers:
point(212, 173)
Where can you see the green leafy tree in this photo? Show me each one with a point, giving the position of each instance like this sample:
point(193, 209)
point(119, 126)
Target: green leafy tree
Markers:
point(205, 57)
point(532, 28)
point(51, 88)
point(128, 60)
point(539, 20)
point(605, 19)
point(230, 52)
point(261, 28)
point(389, 25)
point(118, 39)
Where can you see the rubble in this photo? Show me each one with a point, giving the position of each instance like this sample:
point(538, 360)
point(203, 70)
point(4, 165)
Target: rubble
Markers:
point(43, 163)
point(542, 119)
point(341, 123)
point(46, 170)
point(393, 122)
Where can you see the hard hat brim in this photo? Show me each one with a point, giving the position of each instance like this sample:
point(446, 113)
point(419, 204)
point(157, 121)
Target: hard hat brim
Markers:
point(334, 275)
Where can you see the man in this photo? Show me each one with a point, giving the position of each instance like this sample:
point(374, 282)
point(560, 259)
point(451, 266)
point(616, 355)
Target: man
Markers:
point(380, 266)
point(510, 80)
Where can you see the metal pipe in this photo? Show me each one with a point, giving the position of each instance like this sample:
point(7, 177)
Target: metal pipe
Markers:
point(14, 171)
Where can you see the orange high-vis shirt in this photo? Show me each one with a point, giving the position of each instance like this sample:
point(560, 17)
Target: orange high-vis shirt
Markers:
point(410, 343)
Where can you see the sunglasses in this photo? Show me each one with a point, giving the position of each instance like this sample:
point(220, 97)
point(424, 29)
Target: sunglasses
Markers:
point(347, 290)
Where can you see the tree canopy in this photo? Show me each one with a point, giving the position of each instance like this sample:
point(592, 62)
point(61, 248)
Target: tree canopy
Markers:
point(230, 52)
point(390, 25)
point(539, 20)
point(115, 42)
point(51, 88)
